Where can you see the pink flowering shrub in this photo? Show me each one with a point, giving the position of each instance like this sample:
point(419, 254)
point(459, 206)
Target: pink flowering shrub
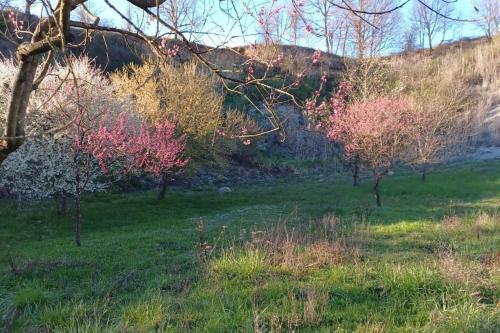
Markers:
point(154, 149)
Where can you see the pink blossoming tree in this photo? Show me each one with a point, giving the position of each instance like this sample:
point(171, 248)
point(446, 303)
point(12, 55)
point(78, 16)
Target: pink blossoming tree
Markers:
point(154, 149)
point(378, 132)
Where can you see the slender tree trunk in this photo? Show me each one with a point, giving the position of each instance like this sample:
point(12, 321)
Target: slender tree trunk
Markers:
point(429, 37)
point(424, 172)
point(376, 190)
point(325, 26)
point(27, 11)
point(344, 42)
point(78, 212)
point(163, 186)
point(355, 173)
point(62, 205)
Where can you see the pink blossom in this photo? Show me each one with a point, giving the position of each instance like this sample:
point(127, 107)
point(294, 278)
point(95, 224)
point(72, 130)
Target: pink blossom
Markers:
point(250, 70)
point(12, 18)
point(322, 111)
point(153, 149)
point(316, 56)
point(170, 51)
point(173, 51)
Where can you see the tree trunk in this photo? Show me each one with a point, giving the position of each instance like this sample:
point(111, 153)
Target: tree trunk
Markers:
point(376, 190)
point(62, 205)
point(27, 12)
point(18, 104)
point(424, 172)
point(325, 27)
point(163, 187)
point(355, 174)
point(78, 212)
point(429, 37)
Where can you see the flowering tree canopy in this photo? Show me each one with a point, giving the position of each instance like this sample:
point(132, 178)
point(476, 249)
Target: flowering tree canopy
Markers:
point(153, 149)
point(45, 165)
point(379, 132)
point(42, 168)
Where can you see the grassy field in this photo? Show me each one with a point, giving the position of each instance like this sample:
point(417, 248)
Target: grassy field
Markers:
point(308, 255)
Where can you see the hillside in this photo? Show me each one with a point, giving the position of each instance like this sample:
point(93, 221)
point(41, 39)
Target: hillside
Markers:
point(472, 61)
point(473, 64)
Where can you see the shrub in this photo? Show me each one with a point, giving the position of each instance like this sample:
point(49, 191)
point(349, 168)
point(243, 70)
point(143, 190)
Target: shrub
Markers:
point(169, 89)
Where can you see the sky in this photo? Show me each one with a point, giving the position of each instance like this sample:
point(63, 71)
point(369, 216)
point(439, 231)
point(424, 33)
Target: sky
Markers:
point(218, 25)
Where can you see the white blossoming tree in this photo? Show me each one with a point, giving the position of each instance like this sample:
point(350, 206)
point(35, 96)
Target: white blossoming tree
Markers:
point(56, 164)
point(43, 168)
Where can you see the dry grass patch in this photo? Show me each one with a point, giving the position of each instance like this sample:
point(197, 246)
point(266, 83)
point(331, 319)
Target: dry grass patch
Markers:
point(458, 271)
point(296, 249)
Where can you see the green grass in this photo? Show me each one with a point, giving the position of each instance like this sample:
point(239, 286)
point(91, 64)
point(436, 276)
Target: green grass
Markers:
point(141, 267)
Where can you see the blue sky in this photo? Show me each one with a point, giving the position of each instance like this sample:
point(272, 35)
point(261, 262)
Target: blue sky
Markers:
point(220, 25)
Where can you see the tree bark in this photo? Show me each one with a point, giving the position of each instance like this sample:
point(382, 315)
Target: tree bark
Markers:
point(163, 186)
point(325, 26)
point(27, 12)
point(424, 172)
point(62, 205)
point(376, 190)
point(355, 173)
point(78, 212)
point(21, 92)
point(429, 37)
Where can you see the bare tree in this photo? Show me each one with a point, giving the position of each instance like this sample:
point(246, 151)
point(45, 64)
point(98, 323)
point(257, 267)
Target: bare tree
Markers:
point(181, 15)
point(273, 23)
point(27, 6)
point(27, 11)
point(371, 34)
point(431, 22)
point(409, 39)
point(325, 11)
point(443, 125)
point(488, 16)
point(296, 24)
point(85, 15)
